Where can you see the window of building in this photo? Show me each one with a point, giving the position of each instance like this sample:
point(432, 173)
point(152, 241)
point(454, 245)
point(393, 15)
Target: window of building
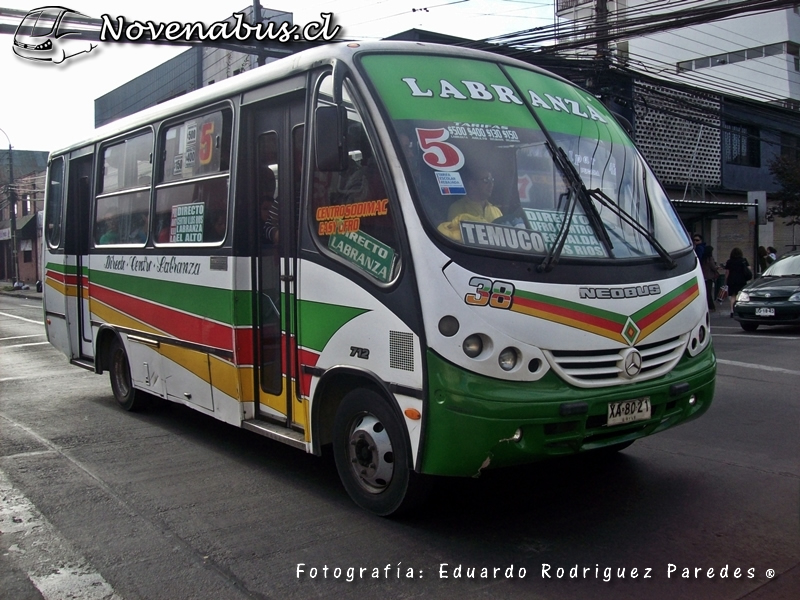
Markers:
point(790, 147)
point(123, 201)
point(192, 190)
point(742, 145)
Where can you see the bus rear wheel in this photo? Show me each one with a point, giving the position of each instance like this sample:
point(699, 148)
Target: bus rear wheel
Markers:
point(373, 457)
point(120, 375)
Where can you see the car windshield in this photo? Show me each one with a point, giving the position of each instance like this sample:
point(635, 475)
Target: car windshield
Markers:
point(788, 266)
point(506, 159)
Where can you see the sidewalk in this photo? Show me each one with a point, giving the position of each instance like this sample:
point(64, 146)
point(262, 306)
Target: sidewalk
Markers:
point(31, 294)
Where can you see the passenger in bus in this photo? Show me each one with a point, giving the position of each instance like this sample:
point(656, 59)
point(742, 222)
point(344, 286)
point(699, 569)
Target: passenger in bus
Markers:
point(217, 224)
point(111, 232)
point(138, 234)
point(268, 207)
point(476, 206)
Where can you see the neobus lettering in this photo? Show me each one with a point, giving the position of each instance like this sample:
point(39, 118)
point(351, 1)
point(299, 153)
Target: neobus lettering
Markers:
point(616, 293)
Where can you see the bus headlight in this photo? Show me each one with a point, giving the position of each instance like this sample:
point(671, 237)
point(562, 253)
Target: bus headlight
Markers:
point(473, 345)
point(508, 359)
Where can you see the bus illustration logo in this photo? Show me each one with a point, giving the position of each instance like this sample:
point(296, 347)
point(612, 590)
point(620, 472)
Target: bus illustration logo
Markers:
point(52, 34)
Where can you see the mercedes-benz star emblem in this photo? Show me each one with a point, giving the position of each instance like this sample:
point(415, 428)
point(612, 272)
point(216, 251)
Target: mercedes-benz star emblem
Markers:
point(631, 362)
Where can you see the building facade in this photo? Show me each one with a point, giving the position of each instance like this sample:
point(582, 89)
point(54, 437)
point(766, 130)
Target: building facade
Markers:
point(712, 105)
point(22, 176)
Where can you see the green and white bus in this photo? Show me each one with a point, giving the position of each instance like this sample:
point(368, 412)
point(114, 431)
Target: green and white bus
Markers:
point(435, 260)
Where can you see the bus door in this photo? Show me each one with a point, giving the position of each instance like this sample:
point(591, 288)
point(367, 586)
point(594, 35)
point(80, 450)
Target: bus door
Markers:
point(275, 127)
point(77, 252)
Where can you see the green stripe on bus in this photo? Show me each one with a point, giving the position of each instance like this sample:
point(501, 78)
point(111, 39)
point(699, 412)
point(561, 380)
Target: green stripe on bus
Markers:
point(224, 306)
point(320, 321)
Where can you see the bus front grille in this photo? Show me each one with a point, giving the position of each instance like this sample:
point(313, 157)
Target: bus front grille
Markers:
point(600, 368)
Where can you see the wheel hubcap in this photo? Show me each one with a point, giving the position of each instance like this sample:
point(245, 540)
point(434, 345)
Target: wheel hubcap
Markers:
point(370, 453)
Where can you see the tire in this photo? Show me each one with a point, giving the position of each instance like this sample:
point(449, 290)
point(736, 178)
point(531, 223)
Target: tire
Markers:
point(748, 326)
point(119, 373)
point(373, 456)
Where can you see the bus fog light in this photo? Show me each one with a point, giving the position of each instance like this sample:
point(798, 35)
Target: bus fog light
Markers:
point(517, 435)
point(508, 359)
point(692, 400)
point(473, 345)
point(448, 326)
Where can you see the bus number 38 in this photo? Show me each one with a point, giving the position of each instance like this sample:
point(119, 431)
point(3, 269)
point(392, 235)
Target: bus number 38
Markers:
point(497, 294)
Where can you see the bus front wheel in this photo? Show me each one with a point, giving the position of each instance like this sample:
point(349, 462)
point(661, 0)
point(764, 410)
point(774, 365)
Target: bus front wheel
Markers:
point(373, 457)
point(120, 374)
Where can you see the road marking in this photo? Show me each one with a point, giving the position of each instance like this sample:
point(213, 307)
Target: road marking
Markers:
point(736, 363)
point(20, 318)
point(19, 337)
point(23, 345)
point(52, 565)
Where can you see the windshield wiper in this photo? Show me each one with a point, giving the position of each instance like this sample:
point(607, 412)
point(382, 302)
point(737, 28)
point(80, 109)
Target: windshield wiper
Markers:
point(577, 190)
point(602, 198)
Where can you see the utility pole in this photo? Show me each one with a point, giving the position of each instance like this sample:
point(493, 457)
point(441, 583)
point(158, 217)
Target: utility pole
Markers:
point(256, 21)
point(12, 197)
point(601, 21)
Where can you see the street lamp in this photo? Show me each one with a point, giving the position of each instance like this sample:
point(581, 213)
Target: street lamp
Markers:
point(12, 197)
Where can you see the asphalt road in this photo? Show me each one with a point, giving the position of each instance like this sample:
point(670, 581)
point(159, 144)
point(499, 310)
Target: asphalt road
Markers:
point(169, 504)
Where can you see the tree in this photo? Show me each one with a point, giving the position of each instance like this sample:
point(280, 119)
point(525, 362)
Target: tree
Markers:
point(786, 170)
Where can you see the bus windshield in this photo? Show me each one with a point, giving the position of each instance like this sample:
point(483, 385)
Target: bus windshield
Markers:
point(510, 160)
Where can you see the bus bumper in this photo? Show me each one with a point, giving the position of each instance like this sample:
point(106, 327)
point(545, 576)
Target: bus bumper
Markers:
point(474, 422)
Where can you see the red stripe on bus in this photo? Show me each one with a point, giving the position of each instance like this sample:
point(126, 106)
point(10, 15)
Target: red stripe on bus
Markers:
point(172, 322)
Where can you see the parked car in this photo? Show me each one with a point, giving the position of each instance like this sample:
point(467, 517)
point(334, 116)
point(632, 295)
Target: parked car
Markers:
point(773, 298)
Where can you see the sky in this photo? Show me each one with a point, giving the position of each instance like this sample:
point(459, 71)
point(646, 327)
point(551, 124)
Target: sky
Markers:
point(47, 107)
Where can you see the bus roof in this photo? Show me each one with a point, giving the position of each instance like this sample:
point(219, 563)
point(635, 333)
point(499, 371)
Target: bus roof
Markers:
point(276, 71)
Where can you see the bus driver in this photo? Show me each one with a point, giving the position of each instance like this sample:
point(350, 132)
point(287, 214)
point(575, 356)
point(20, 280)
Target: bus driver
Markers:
point(475, 206)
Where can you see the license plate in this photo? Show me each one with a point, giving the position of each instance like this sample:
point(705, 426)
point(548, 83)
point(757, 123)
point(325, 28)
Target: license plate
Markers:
point(629, 411)
point(765, 312)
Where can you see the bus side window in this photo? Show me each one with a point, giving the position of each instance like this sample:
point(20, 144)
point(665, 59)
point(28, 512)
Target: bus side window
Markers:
point(122, 211)
point(192, 187)
point(55, 202)
point(351, 214)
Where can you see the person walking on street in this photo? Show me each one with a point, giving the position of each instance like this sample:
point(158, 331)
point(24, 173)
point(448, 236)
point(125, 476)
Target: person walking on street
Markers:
point(737, 274)
point(710, 274)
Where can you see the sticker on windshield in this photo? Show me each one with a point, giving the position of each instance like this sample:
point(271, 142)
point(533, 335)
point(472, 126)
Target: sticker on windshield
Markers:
point(501, 237)
point(450, 184)
point(482, 132)
point(581, 240)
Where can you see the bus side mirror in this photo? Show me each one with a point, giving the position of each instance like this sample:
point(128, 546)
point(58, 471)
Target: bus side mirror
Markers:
point(330, 140)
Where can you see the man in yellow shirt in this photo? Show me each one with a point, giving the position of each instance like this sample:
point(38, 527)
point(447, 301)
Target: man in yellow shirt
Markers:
point(474, 207)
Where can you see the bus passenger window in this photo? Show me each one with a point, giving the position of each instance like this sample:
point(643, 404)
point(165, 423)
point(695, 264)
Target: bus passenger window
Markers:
point(192, 188)
point(55, 202)
point(123, 203)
